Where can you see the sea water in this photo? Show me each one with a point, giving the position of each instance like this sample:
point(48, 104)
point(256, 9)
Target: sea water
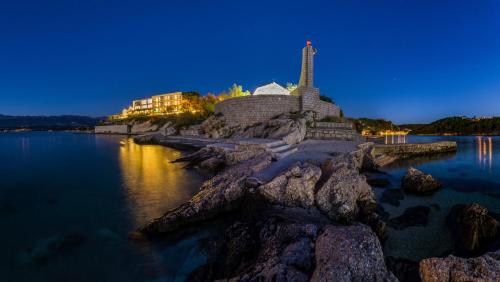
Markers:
point(98, 188)
point(471, 175)
point(68, 202)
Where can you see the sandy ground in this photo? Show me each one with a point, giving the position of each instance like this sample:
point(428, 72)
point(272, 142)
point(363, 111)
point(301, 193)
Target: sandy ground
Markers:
point(309, 150)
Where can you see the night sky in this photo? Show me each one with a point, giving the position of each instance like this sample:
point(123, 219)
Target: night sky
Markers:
point(408, 61)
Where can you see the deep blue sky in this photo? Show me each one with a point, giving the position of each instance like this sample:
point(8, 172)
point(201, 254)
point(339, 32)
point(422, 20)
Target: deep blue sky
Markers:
point(408, 61)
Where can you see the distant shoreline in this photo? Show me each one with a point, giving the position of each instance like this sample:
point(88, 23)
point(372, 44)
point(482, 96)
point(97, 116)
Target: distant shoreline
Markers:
point(49, 129)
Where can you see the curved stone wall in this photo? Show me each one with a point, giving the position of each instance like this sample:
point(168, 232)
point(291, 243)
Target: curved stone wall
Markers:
point(248, 110)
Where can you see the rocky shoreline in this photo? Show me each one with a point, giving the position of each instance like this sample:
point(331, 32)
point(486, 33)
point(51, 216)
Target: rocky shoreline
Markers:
point(315, 220)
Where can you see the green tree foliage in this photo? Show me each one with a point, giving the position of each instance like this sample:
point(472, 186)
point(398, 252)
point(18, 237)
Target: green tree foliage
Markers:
point(373, 125)
point(326, 99)
point(236, 91)
point(208, 103)
point(291, 87)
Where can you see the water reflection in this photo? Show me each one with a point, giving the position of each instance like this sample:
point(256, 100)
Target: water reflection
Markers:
point(485, 152)
point(395, 139)
point(154, 184)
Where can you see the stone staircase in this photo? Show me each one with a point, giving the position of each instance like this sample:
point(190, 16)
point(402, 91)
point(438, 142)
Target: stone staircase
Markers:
point(281, 150)
point(332, 131)
point(278, 148)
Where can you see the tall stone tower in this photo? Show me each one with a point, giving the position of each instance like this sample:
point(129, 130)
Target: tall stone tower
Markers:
point(307, 71)
point(309, 94)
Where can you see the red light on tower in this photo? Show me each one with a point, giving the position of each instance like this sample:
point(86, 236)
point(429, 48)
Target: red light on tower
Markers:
point(308, 42)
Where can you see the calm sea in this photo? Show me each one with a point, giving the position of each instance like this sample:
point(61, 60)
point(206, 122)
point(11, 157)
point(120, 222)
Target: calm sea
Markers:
point(91, 190)
point(94, 189)
point(471, 175)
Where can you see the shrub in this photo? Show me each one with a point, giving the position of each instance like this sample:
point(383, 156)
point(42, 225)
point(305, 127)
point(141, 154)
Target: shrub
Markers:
point(326, 99)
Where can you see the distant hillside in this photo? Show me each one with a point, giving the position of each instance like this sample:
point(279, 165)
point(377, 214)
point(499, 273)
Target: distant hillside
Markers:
point(373, 125)
point(65, 122)
point(458, 126)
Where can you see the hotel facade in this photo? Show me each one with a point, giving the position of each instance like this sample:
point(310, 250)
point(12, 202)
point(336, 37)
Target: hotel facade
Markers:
point(162, 104)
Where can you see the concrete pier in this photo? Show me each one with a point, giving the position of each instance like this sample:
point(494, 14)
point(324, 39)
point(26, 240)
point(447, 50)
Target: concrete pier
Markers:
point(385, 154)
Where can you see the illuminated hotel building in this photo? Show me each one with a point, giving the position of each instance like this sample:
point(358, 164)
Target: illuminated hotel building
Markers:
point(168, 103)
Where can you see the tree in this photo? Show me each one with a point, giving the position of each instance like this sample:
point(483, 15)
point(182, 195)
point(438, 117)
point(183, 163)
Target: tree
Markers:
point(326, 99)
point(237, 91)
point(291, 86)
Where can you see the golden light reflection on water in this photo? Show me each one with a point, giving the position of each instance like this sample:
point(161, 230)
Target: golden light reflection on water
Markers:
point(395, 139)
point(153, 184)
point(485, 152)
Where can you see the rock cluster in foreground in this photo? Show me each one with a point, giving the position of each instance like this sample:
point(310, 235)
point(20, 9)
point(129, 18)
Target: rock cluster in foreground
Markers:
point(484, 268)
point(338, 240)
point(278, 249)
point(337, 189)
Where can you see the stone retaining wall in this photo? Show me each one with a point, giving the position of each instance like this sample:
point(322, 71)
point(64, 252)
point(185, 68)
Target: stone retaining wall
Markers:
point(249, 110)
point(113, 129)
point(325, 109)
point(331, 134)
point(334, 124)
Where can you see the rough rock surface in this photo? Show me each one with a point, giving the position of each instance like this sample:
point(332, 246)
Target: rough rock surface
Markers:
point(484, 268)
point(295, 187)
point(343, 193)
point(216, 127)
point(290, 128)
point(472, 227)
point(418, 182)
point(337, 189)
point(143, 127)
point(221, 193)
point(216, 158)
point(349, 253)
point(276, 249)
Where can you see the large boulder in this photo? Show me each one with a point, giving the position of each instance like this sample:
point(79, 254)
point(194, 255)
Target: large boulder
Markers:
point(342, 192)
point(295, 187)
point(278, 249)
point(472, 227)
point(418, 182)
point(484, 268)
point(349, 253)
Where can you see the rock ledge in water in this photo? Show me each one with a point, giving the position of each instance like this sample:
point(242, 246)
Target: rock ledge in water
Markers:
point(472, 227)
point(418, 182)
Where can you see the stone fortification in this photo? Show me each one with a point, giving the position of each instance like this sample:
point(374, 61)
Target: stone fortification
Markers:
point(253, 109)
point(249, 110)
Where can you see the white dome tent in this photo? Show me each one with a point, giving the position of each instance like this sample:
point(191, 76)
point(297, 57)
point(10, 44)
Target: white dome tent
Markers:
point(272, 88)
